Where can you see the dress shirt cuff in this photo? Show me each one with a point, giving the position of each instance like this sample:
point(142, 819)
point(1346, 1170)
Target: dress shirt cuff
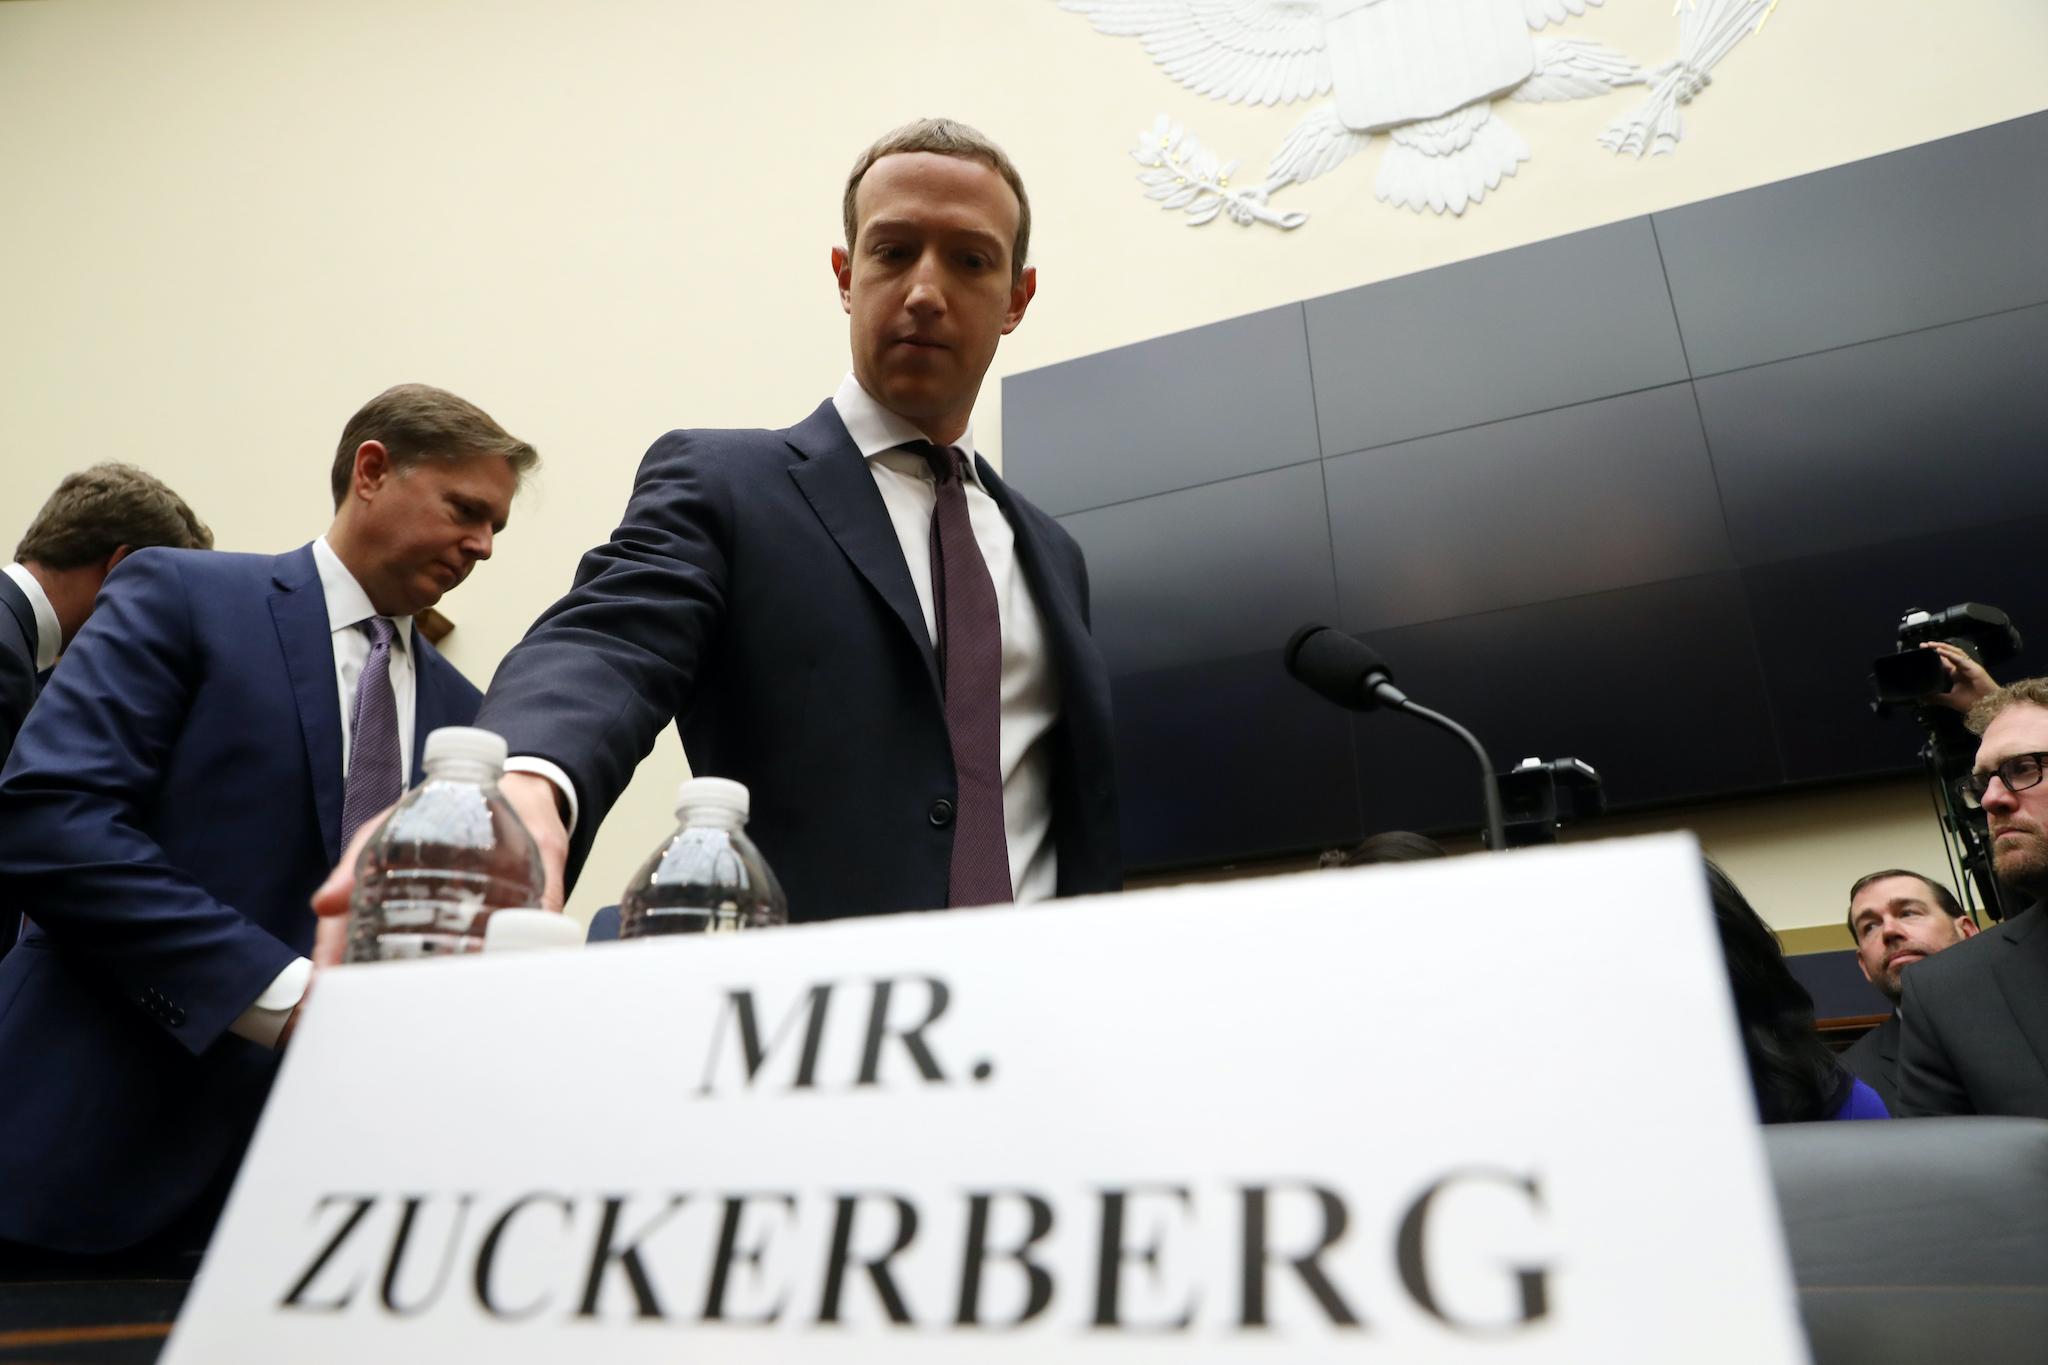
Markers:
point(264, 1021)
point(541, 767)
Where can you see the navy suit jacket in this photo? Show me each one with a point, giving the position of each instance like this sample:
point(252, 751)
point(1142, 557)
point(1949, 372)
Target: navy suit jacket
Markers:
point(1975, 1024)
point(1874, 1060)
point(172, 802)
point(758, 594)
point(17, 663)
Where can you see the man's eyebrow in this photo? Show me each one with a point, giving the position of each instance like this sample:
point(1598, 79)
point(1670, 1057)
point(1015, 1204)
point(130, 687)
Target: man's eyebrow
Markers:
point(905, 225)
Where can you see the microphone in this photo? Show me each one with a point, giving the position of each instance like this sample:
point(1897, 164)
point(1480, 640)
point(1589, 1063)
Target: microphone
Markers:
point(1352, 674)
point(1346, 671)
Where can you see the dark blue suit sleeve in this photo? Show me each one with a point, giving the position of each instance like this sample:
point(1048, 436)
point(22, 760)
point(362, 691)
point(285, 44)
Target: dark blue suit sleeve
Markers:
point(605, 668)
point(75, 854)
point(1928, 1083)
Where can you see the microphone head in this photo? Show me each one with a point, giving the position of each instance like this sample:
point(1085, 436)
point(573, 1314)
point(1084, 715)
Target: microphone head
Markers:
point(1340, 668)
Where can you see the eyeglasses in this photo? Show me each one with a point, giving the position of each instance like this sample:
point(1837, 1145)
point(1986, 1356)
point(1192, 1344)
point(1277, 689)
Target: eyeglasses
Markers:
point(2018, 773)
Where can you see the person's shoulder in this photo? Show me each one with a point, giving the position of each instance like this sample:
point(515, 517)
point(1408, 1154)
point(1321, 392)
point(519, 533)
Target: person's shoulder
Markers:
point(434, 666)
point(729, 444)
point(1867, 1046)
point(197, 565)
point(1974, 956)
point(160, 569)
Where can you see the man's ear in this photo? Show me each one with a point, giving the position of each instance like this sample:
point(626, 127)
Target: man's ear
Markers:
point(121, 552)
point(373, 468)
point(1965, 927)
point(1020, 298)
point(842, 271)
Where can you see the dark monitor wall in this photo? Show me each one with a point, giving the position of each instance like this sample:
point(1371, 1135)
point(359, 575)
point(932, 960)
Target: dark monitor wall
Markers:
point(1651, 495)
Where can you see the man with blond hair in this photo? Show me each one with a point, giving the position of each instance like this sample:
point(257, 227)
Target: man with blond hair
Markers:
point(192, 770)
point(853, 616)
point(1975, 1035)
point(94, 520)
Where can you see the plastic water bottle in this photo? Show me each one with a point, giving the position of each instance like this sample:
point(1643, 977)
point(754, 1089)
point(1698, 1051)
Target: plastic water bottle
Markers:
point(707, 877)
point(448, 856)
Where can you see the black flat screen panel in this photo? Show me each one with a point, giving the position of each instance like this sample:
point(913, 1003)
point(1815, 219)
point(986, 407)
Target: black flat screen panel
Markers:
point(1185, 409)
point(1230, 759)
point(1580, 499)
point(1821, 620)
point(1576, 318)
point(1656, 686)
point(1895, 438)
point(1929, 235)
point(1229, 568)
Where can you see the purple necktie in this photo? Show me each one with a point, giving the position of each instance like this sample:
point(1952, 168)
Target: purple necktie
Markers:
point(970, 649)
point(374, 773)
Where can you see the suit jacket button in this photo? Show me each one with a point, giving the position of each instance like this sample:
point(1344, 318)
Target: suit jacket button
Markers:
point(941, 813)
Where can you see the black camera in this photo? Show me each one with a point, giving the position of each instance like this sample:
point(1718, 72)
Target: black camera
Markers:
point(1984, 633)
point(1537, 797)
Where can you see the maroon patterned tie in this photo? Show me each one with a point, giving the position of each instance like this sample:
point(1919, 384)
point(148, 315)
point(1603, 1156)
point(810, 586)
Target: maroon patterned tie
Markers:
point(970, 648)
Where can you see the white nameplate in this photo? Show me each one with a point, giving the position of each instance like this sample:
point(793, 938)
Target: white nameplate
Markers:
point(1484, 1109)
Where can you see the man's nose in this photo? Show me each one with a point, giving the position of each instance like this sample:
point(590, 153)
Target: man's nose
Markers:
point(479, 544)
point(1998, 796)
point(927, 296)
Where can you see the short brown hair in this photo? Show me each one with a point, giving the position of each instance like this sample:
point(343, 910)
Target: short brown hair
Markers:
point(98, 510)
point(2025, 692)
point(945, 137)
point(417, 422)
point(1943, 897)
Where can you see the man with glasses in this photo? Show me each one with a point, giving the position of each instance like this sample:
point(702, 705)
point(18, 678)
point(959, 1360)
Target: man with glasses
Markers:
point(1975, 1038)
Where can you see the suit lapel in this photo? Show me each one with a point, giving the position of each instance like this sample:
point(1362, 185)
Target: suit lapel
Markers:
point(24, 616)
point(299, 610)
point(429, 700)
point(1050, 590)
point(1887, 1043)
point(2022, 974)
point(835, 480)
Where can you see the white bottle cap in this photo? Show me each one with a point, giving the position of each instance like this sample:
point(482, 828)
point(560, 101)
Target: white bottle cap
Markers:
point(466, 743)
point(518, 931)
point(712, 793)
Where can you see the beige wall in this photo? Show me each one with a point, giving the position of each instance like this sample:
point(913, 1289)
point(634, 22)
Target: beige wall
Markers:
point(227, 222)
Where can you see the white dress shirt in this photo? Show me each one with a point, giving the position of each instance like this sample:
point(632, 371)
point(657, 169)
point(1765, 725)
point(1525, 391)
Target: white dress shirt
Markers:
point(348, 606)
point(1031, 691)
point(1030, 686)
point(49, 633)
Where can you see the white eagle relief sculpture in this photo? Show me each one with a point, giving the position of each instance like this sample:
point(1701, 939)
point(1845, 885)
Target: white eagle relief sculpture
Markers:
point(1424, 72)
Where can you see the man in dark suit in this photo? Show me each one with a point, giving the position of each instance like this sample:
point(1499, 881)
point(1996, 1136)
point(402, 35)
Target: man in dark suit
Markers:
point(90, 524)
point(1975, 1036)
point(854, 616)
point(179, 789)
point(1897, 918)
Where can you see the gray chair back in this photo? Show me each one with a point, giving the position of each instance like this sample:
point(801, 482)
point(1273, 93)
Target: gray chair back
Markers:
point(1918, 1240)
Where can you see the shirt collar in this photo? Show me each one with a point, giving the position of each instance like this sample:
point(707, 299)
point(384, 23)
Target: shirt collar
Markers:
point(348, 606)
point(876, 430)
point(49, 634)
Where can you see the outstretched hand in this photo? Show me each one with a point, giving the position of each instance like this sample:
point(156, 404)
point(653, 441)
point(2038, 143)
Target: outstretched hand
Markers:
point(1968, 682)
point(531, 797)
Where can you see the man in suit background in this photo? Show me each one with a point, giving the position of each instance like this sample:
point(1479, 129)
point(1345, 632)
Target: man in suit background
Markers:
point(1975, 1035)
point(90, 524)
point(181, 786)
point(1897, 918)
point(853, 616)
